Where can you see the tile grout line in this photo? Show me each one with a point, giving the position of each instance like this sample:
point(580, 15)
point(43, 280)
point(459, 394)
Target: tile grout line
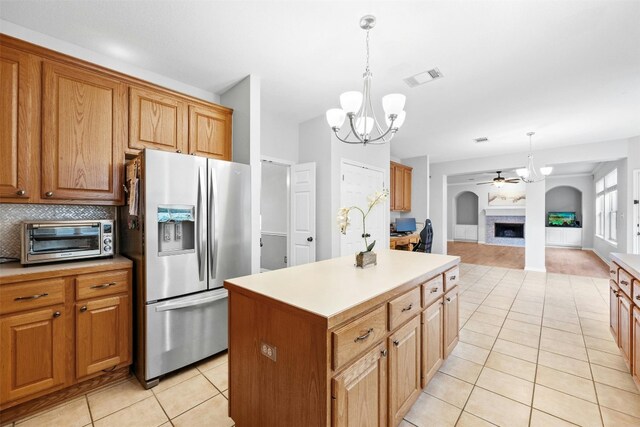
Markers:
point(535, 376)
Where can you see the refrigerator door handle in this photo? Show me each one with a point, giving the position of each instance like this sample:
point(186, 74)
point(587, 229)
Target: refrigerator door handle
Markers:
point(213, 225)
point(192, 303)
point(199, 228)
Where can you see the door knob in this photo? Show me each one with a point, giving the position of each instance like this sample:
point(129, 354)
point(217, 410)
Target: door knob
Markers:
point(49, 193)
point(56, 314)
point(309, 239)
point(21, 192)
point(83, 309)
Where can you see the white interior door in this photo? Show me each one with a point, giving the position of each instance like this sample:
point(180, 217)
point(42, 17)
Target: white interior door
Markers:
point(358, 183)
point(636, 212)
point(303, 214)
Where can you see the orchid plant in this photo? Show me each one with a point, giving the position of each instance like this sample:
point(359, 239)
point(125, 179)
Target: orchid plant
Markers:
point(344, 220)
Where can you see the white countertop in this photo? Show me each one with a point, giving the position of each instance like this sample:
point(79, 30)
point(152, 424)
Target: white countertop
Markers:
point(629, 262)
point(329, 287)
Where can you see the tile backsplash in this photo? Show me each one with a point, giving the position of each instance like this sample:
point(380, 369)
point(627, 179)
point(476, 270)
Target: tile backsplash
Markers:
point(11, 215)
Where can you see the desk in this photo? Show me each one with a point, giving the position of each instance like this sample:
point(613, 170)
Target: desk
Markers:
point(404, 243)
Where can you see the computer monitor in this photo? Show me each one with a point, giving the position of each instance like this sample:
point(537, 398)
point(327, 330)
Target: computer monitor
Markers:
point(404, 225)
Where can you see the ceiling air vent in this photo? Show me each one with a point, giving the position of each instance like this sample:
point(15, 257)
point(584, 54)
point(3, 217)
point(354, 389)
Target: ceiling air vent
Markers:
point(481, 139)
point(423, 77)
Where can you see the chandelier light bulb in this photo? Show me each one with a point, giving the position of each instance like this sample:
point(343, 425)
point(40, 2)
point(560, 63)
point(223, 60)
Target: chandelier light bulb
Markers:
point(393, 103)
point(335, 117)
point(351, 101)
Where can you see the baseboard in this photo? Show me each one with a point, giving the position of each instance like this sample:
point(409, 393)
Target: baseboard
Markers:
point(537, 270)
point(605, 260)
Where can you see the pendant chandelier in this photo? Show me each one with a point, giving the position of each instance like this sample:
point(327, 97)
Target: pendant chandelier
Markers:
point(363, 124)
point(530, 173)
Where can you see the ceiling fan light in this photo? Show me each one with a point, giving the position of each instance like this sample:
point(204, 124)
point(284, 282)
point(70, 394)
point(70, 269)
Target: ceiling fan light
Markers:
point(393, 103)
point(335, 117)
point(546, 170)
point(399, 120)
point(498, 184)
point(351, 101)
point(522, 172)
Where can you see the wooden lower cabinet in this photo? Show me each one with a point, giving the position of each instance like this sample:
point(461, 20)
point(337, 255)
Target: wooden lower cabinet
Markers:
point(404, 370)
point(624, 327)
point(102, 335)
point(451, 322)
point(635, 350)
point(614, 293)
point(359, 394)
point(432, 340)
point(32, 354)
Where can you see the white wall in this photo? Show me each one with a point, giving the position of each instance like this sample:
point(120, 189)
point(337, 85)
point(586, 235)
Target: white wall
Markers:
point(279, 137)
point(584, 184)
point(244, 98)
point(601, 246)
point(482, 191)
point(318, 144)
point(274, 198)
point(597, 152)
point(76, 51)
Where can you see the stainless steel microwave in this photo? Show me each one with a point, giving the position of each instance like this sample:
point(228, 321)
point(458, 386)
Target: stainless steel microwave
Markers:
point(47, 241)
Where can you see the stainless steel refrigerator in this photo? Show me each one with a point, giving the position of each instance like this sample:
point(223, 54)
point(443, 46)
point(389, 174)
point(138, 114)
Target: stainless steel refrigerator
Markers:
point(191, 232)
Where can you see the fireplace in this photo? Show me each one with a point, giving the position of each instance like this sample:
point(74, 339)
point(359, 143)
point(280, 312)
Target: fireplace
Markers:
point(509, 231)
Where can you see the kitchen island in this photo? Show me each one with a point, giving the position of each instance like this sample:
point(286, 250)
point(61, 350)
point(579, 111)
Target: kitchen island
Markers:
point(331, 344)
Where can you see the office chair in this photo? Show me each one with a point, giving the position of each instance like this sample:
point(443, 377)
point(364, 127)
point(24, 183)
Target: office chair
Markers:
point(426, 238)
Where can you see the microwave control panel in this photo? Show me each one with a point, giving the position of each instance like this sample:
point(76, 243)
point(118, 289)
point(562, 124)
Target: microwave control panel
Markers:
point(107, 239)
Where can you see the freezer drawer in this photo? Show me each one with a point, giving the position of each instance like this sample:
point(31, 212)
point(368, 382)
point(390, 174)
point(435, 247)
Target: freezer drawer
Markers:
point(184, 330)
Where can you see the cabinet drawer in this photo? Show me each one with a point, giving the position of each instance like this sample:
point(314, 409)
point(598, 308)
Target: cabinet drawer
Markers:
point(636, 291)
point(432, 290)
point(624, 281)
point(104, 283)
point(358, 336)
point(451, 278)
point(403, 241)
point(613, 272)
point(403, 308)
point(28, 295)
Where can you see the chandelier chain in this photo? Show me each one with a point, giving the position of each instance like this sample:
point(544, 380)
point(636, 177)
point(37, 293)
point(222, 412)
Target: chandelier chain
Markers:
point(367, 69)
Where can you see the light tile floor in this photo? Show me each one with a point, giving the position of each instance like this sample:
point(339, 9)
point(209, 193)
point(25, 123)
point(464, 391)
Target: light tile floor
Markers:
point(535, 350)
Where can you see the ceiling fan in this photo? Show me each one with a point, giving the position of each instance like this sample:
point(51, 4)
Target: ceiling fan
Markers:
point(499, 181)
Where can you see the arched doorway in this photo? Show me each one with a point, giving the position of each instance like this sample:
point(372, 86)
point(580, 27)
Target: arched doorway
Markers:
point(564, 217)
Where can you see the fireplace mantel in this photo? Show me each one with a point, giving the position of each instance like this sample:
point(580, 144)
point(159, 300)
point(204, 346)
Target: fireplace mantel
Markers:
point(505, 211)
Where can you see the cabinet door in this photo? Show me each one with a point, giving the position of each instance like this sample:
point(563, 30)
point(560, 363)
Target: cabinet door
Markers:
point(360, 392)
point(614, 291)
point(432, 340)
point(404, 370)
point(156, 120)
point(84, 126)
point(624, 327)
point(398, 189)
point(392, 188)
point(19, 125)
point(209, 132)
point(103, 330)
point(32, 355)
point(406, 189)
point(451, 328)
point(635, 366)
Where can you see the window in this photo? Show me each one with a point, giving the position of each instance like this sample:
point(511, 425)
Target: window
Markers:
point(607, 207)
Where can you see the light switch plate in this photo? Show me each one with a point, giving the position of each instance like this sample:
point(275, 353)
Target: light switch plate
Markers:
point(269, 351)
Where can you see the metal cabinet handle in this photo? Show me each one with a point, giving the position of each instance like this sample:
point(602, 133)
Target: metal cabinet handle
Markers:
point(178, 151)
point(434, 290)
point(21, 192)
point(83, 309)
point(106, 285)
point(612, 271)
point(49, 193)
point(616, 293)
point(309, 239)
point(448, 299)
point(396, 343)
point(624, 282)
point(384, 353)
point(31, 297)
point(452, 277)
point(638, 297)
point(407, 308)
point(56, 314)
point(364, 337)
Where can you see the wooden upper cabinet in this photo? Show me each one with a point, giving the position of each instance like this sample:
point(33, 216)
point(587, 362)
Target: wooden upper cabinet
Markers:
point(400, 187)
point(157, 120)
point(19, 125)
point(32, 355)
point(210, 132)
point(102, 334)
point(83, 134)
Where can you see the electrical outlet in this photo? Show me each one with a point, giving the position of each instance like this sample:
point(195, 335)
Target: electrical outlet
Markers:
point(269, 351)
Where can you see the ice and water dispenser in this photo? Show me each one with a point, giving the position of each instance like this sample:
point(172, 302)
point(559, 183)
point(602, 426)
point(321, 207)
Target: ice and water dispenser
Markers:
point(176, 230)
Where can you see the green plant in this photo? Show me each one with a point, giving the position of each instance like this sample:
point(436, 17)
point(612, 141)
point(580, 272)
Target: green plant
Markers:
point(344, 220)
